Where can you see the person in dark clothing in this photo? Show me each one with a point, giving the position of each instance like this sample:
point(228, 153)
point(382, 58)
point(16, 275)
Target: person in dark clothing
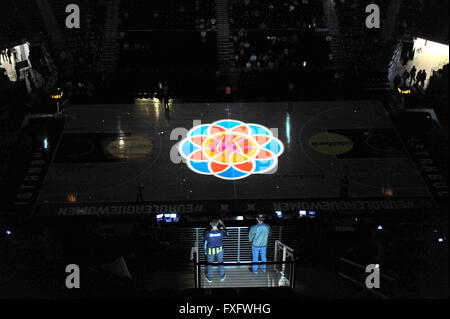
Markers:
point(166, 95)
point(140, 193)
point(412, 75)
point(344, 184)
point(214, 248)
point(423, 78)
point(405, 77)
point(418, 77)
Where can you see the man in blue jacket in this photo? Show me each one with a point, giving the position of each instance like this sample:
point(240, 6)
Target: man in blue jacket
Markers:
point(214, 247)
point(258, 236)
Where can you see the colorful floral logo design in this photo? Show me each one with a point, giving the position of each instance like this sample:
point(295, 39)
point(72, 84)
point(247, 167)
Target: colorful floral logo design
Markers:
point(230, 149)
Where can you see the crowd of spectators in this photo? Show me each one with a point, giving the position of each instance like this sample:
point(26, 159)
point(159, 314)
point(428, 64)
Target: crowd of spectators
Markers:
point(362, 47)
point(276, 45)
point(149, 58)
point(254, 50)
point(260, 44)
point(78, 59)
point(269, 14)
point(176, 44)
point(168, 14)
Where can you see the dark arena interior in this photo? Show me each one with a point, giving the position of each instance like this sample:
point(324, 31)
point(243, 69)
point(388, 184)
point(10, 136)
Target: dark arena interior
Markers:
point(180, 150)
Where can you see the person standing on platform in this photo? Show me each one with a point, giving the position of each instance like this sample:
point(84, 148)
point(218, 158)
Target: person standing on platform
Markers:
point(259, 236)
point(412, 75)
point(140, 193)
point(166, 95)
point(214, 248)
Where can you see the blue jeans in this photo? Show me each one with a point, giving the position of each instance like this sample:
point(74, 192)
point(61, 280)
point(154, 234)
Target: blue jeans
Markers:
point(256, 251)
point(209, 274)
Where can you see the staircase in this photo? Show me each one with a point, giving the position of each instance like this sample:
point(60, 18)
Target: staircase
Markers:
point(224, 44)
point(341, 63)
point(346, 51)
point(109, 50)
point(50, 21)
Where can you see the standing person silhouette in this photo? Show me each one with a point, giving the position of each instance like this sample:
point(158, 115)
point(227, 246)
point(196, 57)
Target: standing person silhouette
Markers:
point(412, 75)
point(259, 236)
point(214, 248)
point(423, 78)
point(166, 95)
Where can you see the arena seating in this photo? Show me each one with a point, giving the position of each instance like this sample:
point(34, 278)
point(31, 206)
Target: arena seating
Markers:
point(273, 14)
point(145, 44)
point(268, 39)
point(172, 14)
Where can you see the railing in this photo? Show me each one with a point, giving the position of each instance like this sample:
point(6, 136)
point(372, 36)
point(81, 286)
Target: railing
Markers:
point(237, 246)
point(356, 274)
point(287, 253)
point(244, 274)
point(241, 275)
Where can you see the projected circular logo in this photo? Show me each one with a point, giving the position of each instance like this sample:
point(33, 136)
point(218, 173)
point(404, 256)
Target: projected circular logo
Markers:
point(231, 149)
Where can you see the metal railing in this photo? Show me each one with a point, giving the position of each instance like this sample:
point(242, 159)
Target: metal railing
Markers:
point(287, 253)
point(244, 274)
point(241, 275)
point(237, 247)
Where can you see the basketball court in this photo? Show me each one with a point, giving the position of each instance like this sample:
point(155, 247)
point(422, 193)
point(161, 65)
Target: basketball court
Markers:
point(294, 151)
